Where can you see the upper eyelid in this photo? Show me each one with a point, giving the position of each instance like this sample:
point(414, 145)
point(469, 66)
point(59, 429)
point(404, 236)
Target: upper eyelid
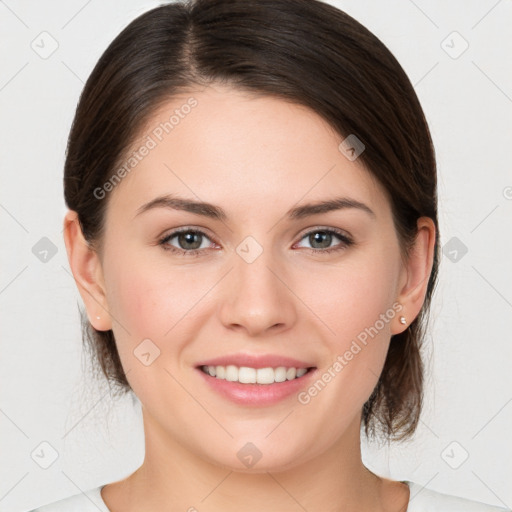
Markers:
point(337, 231)
point(187, 229)
point(343, 236)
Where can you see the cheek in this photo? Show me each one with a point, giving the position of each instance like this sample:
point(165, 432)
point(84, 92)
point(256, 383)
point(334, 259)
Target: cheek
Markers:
point(351, 298)
point(152, 306)
point(152, 301)
point(356, 303)
point(149, 291)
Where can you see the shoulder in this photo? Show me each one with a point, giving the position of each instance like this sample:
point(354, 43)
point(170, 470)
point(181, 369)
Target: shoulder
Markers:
point(427, 500)
point(89, 501)
point(421, 500)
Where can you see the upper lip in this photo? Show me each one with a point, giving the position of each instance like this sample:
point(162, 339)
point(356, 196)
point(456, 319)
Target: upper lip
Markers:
point(256, 361)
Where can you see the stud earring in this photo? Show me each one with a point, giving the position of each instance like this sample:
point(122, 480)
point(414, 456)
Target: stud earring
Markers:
point(403, 321)
point(97, 318)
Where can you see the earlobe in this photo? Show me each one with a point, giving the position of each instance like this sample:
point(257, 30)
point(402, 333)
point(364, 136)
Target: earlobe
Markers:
point(87, 271)
point(416, 274)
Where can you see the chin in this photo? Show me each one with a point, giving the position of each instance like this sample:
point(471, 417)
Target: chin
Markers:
point(254, 458)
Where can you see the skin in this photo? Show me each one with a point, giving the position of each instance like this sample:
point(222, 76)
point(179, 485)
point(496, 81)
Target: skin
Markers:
point(256, 157)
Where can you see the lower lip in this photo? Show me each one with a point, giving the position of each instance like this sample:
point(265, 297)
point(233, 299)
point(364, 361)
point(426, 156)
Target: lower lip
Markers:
point(257, 394)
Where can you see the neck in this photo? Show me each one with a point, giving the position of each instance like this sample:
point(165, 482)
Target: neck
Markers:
point(173, 478)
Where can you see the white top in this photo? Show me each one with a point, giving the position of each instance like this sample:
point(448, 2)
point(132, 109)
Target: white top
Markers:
point(421, 500)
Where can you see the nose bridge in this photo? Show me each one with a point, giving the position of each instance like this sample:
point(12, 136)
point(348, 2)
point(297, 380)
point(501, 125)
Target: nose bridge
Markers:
point(257, 299)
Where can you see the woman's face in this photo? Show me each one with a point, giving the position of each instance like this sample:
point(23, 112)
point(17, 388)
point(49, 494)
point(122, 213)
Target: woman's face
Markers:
point(304, 290)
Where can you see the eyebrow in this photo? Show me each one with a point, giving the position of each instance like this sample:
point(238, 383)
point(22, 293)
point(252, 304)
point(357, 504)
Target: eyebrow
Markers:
point(216, 212)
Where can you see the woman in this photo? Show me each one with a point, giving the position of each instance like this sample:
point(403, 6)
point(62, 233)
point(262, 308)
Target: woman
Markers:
point(253, 229)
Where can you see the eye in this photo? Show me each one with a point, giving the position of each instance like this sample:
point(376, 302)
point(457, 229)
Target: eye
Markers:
point(189, 241)
point(320, 240)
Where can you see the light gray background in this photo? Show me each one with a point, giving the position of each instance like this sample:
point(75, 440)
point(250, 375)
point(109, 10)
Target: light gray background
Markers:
point(47, 397)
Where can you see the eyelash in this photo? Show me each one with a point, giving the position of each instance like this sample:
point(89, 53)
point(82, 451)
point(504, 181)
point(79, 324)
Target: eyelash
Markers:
point(345, 241)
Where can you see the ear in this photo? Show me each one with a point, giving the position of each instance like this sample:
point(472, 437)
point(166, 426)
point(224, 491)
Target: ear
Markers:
point(415, 274)
point(86, 268)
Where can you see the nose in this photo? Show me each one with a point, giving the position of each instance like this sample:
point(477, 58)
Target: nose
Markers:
point(257, 299)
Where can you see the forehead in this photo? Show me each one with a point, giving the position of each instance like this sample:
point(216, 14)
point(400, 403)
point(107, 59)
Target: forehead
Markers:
point(235, 148)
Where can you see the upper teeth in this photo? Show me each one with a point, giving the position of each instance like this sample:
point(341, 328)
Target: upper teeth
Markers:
point(247, 375)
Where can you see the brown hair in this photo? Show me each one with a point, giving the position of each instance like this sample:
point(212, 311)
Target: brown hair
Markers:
point(303, 51)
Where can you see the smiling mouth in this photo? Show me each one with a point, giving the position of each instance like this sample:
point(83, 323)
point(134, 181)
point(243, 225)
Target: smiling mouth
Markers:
point(248, 375)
